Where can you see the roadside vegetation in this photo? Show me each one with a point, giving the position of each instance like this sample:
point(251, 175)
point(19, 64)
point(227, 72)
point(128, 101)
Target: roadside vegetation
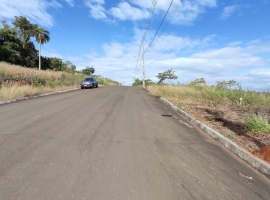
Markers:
point(17, 81)
point(242, 116)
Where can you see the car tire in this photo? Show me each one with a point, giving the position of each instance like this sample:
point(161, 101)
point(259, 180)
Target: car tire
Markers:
point(81, 87)
point(97, 86)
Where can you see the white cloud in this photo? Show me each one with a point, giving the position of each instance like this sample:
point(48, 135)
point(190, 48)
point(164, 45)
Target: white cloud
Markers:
point(186, 12)
point(182, 12)
point(257, 79)
point(176, 43)
point(236, 43)
point(97, 10)
point(226, 59)
point(228, 11)
point(51, 54)
point(34, 10)
point(238, 61)
point(70, 2)
point(252, 42)
point(261, 73)
point(124, 11)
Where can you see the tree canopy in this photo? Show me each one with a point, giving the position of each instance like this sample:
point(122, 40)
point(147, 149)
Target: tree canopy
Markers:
point(42, 35)
point(16, 46)
point(24, 28)
point(169, 74)
point(88, 71)
point(226, 84)
point(138, 82)
point(198, 81)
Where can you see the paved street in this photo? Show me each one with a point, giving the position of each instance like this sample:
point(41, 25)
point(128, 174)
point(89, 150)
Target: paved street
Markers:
point(114, 143)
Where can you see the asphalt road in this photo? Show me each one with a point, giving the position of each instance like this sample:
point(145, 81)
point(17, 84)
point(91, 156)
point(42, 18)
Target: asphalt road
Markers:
point(114, 143)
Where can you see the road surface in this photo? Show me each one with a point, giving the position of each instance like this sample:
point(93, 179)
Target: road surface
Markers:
point(114, 143)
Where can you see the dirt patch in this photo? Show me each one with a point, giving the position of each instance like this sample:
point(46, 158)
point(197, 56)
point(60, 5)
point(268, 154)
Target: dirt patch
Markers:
point(265, 153)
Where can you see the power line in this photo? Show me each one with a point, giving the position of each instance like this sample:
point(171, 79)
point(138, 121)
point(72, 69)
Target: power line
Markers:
point(137, 68)
point(159, 27)
point(154, 2)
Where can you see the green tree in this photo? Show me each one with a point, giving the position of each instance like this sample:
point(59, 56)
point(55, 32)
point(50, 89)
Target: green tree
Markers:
point(42, 37)
point(46, 63)
point(92, 70)
point(57, 64)
point(24, 28)
point(139, 82)
point(29, 58)
point(198, 81)
point(10, 46)
point(85, 71)
point(88, 70)
point(226, 84)
point(169, 74)
point(70, 65)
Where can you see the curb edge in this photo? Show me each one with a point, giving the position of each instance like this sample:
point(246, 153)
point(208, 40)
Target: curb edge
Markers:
point(34, 96)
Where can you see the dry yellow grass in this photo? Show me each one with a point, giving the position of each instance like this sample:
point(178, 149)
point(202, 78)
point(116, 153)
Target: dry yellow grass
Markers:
point(59, 81)
point(170, 90)
point(213, 96)
point(18, 91)
point(7, 69)
point(176, 94)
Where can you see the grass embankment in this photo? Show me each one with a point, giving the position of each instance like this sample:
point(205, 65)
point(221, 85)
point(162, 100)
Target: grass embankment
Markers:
point(242, 116)
point(17, 81)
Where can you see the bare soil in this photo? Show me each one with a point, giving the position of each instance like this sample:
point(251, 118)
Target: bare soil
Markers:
point(229, 121)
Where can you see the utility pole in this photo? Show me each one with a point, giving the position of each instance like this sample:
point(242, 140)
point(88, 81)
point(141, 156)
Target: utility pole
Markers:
point(143, 69)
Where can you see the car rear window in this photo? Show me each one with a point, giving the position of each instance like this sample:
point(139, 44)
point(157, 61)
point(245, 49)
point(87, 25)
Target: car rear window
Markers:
point(88, 79)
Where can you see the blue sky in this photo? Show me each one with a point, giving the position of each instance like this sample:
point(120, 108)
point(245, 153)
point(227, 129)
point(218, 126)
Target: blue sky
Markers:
point(216, 40)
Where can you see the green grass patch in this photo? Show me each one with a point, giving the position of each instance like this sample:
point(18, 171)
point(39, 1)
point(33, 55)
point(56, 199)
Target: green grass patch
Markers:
point(257, 124)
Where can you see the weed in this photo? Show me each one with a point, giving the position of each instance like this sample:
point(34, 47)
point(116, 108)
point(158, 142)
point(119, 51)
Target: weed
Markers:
point(257, 124)
point(181, 106)
point(231, 136)
point(3, 72)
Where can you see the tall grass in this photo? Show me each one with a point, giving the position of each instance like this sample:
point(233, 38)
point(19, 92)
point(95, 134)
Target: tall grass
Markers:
point(38, 81)
point(249, 102)
point(212, 95)
point(18, 91)
point(257, 124)
point(7, 70)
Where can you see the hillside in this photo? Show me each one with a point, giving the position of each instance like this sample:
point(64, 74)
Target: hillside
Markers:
point(17, 81)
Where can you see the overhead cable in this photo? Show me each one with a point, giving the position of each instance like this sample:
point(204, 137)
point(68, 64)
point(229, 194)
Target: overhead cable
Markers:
point(159, 27)
point(154, 2)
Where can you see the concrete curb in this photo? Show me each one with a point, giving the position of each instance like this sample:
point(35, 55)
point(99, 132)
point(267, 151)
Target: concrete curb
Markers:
point(34, 96)
point(255, 162)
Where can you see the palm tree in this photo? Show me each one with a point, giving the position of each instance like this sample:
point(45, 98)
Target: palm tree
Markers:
point(42, 37)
